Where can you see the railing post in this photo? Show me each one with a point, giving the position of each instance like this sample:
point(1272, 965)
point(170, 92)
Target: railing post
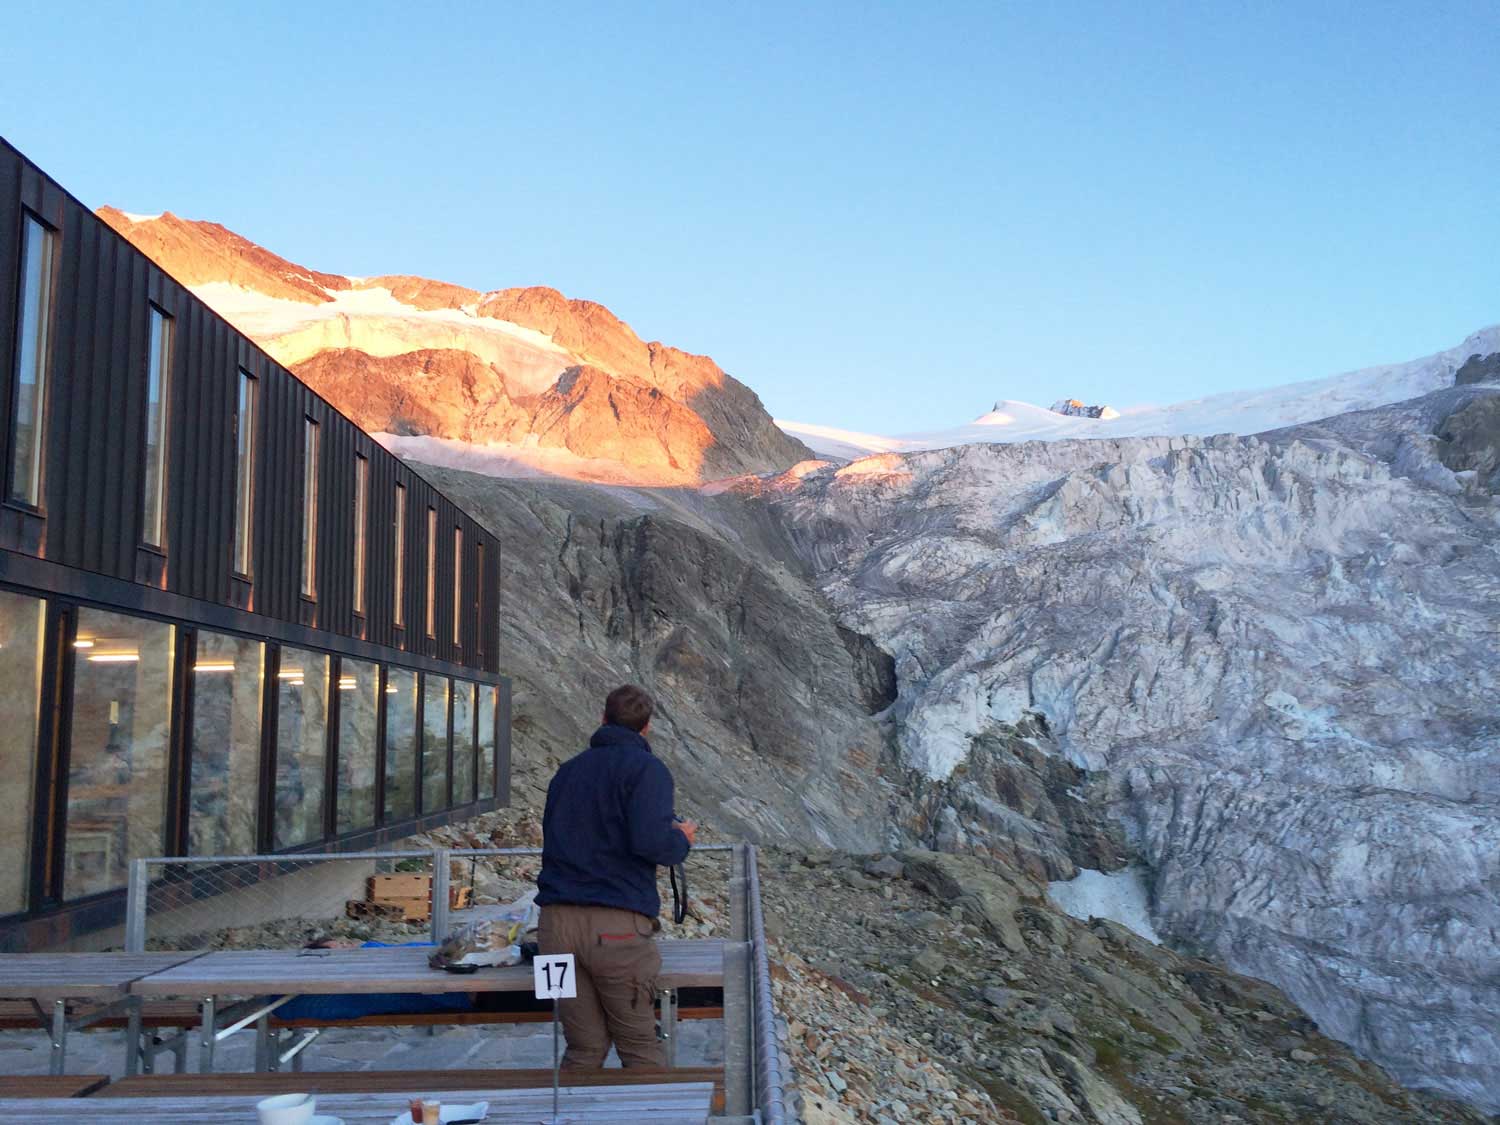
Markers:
point(135, 906)
point(440, 880)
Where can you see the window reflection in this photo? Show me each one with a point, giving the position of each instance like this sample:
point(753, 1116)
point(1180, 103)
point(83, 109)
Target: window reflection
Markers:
point(21, 631)
point(301, 746)
point(33, 330)
point(463, 742)
point(122, 686)
point(434, 743)
point(400, 744)
point(487, 696)
point(359, 684)
point(225, 761)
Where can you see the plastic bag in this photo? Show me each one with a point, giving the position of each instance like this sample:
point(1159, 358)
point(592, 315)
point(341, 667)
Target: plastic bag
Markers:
point(492, 935)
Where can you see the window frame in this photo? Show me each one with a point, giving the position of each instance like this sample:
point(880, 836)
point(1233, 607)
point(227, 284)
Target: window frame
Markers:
point(432, 526)
point(361, 531)
point(159, 362)
point(32, 500)
point(458, 585)
point(312, 441)
point(398, 584)
point(247, 402)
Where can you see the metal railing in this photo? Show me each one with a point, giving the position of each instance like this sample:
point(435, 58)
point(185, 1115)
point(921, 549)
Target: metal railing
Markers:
point(193, 900)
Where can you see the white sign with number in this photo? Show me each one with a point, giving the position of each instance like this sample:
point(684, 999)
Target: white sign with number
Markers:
point(553, 976)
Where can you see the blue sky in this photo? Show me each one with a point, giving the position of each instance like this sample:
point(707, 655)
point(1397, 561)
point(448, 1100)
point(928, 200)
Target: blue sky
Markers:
point(880, 216)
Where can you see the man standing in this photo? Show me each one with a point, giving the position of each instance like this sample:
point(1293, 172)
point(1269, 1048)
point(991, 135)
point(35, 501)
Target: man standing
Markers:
point(608, 825)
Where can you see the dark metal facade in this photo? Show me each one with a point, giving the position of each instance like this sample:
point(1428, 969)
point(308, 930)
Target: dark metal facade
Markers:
point(82, 544)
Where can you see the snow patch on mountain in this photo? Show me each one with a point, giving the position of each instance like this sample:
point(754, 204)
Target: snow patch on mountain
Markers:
point(1121, 896)
point(1235, 412)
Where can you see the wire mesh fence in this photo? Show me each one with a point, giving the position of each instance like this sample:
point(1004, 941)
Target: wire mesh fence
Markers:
point(289, 901)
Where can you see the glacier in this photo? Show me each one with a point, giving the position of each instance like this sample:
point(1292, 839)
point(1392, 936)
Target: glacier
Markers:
point(1282, 652)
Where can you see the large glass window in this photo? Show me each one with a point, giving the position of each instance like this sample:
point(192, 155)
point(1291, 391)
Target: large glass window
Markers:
point(244, 485)
point(117, 767)
point(21, 631)
point(34, 328)
point(301, 746)
point(359, 685)
point(458, 585)
point(487, 700)
point(400, 743)
point(399, 585)
point(434, 743)
point(310, 509)
point(225, 774)
point(463, 742)
point(158, 393)
point(432, 572)
point(361, 517)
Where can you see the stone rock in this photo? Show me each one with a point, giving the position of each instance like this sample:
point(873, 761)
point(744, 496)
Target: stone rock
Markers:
point(886, 867)
point(1479, 369)
point(929, 963)
point(986, 897)
point(1137, 994)
point(1299, 1055)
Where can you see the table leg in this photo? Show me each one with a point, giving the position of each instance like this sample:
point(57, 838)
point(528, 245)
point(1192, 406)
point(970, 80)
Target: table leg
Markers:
point(133, 1050)
point(263, 1043)
point(669, 1024)
point(207, 1038)
point(59, 1036)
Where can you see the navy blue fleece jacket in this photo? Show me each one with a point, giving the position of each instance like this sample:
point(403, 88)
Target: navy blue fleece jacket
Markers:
point(608, 825)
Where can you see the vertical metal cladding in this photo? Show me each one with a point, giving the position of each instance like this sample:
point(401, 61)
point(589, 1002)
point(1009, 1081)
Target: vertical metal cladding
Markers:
point(82, 544)
point(90, 517)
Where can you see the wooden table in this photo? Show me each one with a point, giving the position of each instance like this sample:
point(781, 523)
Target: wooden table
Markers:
point(670, 1104)
point(102, 980)
point(403, 969)
point(51, 1085)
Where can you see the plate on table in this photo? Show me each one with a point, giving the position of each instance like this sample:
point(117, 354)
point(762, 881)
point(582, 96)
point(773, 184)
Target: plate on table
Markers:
point(453, 1112)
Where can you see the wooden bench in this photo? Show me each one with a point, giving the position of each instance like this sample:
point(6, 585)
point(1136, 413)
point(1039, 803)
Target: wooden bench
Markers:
point(51, 1085)
point(412, 1082)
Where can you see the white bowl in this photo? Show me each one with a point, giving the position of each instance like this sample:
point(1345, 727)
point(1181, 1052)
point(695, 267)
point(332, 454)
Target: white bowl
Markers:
point(287, 1109)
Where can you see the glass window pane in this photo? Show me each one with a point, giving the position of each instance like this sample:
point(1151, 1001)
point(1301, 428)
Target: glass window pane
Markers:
point(158, 393)
point(244, 491)
point(400, 744)
point(310, 509)
point(38, 249)
point(400, 580)
point(361, 516)
point(463, 742)
point(434, 743)
point(21, 632)
point(122, 703)
point(359, 684)
point(458, 585)
point(227, 678)
point(432, 572)
point(487, 700)
point(301, 746)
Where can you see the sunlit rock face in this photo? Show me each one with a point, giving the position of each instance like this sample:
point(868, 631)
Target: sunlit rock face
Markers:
point(1281, 651)
point(527, 371)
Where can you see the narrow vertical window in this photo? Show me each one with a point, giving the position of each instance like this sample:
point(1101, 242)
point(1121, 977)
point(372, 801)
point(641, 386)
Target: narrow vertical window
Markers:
point(479, 598)
point(432, 572)
point(38, 249)
point(458, 585)
point(400, 582)
point(310, 510)
point(244, 469)
point(361, 510)
point(158, 393)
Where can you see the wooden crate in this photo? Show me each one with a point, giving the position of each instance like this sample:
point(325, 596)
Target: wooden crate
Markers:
point(384, 887)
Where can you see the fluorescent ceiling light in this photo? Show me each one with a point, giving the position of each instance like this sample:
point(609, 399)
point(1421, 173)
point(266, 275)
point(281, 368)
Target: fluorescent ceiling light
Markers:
point(83, 642)
point(213, 666)
point(115, 657)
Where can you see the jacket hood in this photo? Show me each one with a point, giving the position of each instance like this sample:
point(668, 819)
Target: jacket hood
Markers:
point(611, 735)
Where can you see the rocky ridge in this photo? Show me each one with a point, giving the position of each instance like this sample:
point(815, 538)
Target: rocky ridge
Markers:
point(516, 367)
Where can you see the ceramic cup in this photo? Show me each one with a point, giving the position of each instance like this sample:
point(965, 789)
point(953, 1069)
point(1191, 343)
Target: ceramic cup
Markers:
point(286, 1109)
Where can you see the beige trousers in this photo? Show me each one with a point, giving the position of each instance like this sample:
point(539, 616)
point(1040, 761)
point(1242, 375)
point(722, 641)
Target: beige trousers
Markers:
point(617, 966)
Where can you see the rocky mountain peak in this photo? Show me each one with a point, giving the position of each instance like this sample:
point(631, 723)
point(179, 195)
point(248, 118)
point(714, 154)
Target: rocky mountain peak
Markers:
point(545, 383)
point(1074, 408)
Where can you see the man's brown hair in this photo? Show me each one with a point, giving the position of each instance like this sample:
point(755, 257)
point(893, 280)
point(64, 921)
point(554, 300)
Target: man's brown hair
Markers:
point(629, 707)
